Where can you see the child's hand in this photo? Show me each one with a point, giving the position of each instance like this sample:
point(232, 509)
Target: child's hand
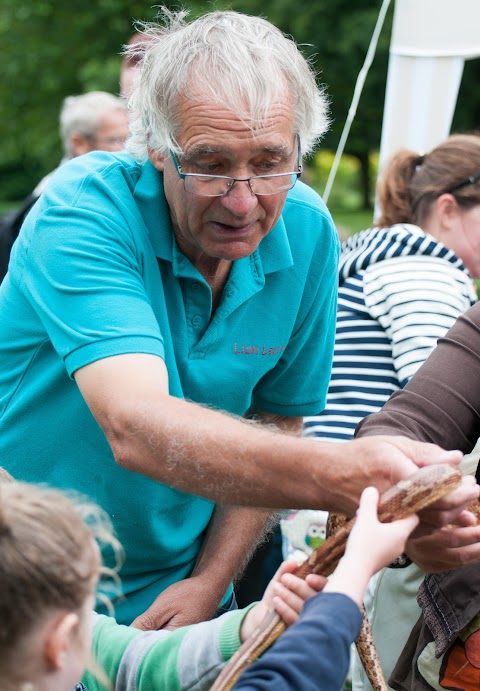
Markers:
point(370, 546)
point(376, 544)
point(286, 594)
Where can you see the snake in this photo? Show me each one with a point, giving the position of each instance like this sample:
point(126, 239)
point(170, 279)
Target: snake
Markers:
point(408, 496)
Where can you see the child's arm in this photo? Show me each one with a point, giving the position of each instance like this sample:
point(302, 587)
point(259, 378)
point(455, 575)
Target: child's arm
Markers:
point(371, 546)
point(191, 656)
point(315, 653)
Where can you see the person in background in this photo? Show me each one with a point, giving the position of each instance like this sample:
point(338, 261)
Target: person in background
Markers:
point(402, 285)
point(403, 282)
point(163, 303)
point(131, 63)
point(92, 121)
point(441, 404)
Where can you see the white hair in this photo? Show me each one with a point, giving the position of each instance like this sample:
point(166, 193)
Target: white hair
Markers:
point(233, 59)
point(82, 114)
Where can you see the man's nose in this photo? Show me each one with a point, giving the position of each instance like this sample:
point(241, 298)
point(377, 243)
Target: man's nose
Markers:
point(240, 199)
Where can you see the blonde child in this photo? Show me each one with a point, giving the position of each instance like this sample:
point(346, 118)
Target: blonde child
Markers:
point(49, 568)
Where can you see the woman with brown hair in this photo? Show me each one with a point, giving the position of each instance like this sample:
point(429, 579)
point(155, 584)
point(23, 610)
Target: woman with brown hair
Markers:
point(403, 283)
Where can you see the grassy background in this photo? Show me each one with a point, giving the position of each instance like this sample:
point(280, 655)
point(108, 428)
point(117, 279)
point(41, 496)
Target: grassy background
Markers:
point(349, 221)
point(7, 206)
point(345, 201)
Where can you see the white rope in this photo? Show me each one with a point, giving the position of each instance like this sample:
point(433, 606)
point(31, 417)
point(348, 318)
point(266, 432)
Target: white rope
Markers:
point(356, 97)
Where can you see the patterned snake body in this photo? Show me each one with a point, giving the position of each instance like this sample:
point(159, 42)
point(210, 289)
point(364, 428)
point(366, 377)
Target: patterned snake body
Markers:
point(408, 496)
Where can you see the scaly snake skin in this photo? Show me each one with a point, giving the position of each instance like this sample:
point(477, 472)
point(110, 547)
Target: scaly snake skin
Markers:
point(408, 496)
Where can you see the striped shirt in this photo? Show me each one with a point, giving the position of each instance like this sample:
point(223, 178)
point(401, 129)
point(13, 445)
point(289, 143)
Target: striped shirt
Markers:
point(400, 290)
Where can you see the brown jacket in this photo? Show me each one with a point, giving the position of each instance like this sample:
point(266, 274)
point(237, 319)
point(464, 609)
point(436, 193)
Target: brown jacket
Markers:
point(441, 404)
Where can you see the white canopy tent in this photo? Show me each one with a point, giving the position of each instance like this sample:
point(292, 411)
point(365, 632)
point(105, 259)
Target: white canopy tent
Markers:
point(430, 41)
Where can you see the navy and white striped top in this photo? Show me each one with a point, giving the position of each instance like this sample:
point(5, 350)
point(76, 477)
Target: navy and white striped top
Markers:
point(400, 290)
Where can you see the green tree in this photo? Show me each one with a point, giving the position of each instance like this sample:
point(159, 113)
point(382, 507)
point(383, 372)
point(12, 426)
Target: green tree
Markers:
point(49, 50)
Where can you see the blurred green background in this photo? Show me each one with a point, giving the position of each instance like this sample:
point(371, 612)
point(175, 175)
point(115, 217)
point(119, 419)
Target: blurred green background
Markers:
point(51, 49)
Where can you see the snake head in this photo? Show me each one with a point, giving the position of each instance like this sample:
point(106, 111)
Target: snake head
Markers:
point(424, 487)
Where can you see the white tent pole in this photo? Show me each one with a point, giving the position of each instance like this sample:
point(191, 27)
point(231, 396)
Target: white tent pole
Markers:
point(425, 71)
point(356, 97)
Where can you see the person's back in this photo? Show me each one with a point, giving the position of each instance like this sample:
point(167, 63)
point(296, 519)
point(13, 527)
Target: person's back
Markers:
point(400, 289)
point(402, 284)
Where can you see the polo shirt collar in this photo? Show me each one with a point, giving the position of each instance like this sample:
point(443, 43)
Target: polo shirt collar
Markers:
point(153, 206)
point(273, 253)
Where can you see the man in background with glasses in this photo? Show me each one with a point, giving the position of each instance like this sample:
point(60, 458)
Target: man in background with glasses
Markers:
point(163, 303)
point(94, 121)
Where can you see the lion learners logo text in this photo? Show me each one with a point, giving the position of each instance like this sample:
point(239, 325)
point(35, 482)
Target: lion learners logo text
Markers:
point(242, 349)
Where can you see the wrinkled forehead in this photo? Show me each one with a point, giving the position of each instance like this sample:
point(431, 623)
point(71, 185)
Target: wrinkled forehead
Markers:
point(214, 112)
point(245, 92)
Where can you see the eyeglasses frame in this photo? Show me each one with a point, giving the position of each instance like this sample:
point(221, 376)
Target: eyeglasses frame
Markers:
point(232, 181)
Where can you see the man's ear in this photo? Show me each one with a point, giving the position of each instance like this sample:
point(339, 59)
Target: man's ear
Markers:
point(157, 159)
point(80, 144)
point(60, 635)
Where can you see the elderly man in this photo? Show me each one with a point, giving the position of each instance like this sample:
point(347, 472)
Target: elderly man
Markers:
point(95, 121)
point(151, 292)
point(91, 121)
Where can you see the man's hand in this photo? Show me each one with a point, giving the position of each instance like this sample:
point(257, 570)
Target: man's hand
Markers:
point(451, 509)
point(383, 461)
point(446, 549)
point(185, 602)
point(285, 593)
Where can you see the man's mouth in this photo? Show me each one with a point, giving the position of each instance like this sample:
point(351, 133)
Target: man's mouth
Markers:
point(230, 228)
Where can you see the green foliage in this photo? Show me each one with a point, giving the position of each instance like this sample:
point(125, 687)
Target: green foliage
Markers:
point(51, 49)
point(345, 202)
point(346, 189)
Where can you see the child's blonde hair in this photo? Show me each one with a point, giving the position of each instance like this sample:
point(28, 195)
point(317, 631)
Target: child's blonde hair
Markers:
point(49, 560)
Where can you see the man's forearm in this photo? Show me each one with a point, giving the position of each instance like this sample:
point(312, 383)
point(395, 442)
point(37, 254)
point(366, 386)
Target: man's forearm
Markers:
point(218, 456)
point(214, 455)
point(234, 532)
point(232, 536)
point(233, 462)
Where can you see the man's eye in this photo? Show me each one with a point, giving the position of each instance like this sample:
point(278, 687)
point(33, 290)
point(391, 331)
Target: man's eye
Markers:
point(205, 167)
point(269, 166)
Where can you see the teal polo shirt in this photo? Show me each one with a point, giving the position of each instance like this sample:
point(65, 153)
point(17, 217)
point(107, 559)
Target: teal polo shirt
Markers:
point(96, 272)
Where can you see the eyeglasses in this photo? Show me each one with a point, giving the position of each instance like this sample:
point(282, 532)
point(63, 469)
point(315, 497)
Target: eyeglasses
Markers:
point(468, 181)
point(220, 185)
